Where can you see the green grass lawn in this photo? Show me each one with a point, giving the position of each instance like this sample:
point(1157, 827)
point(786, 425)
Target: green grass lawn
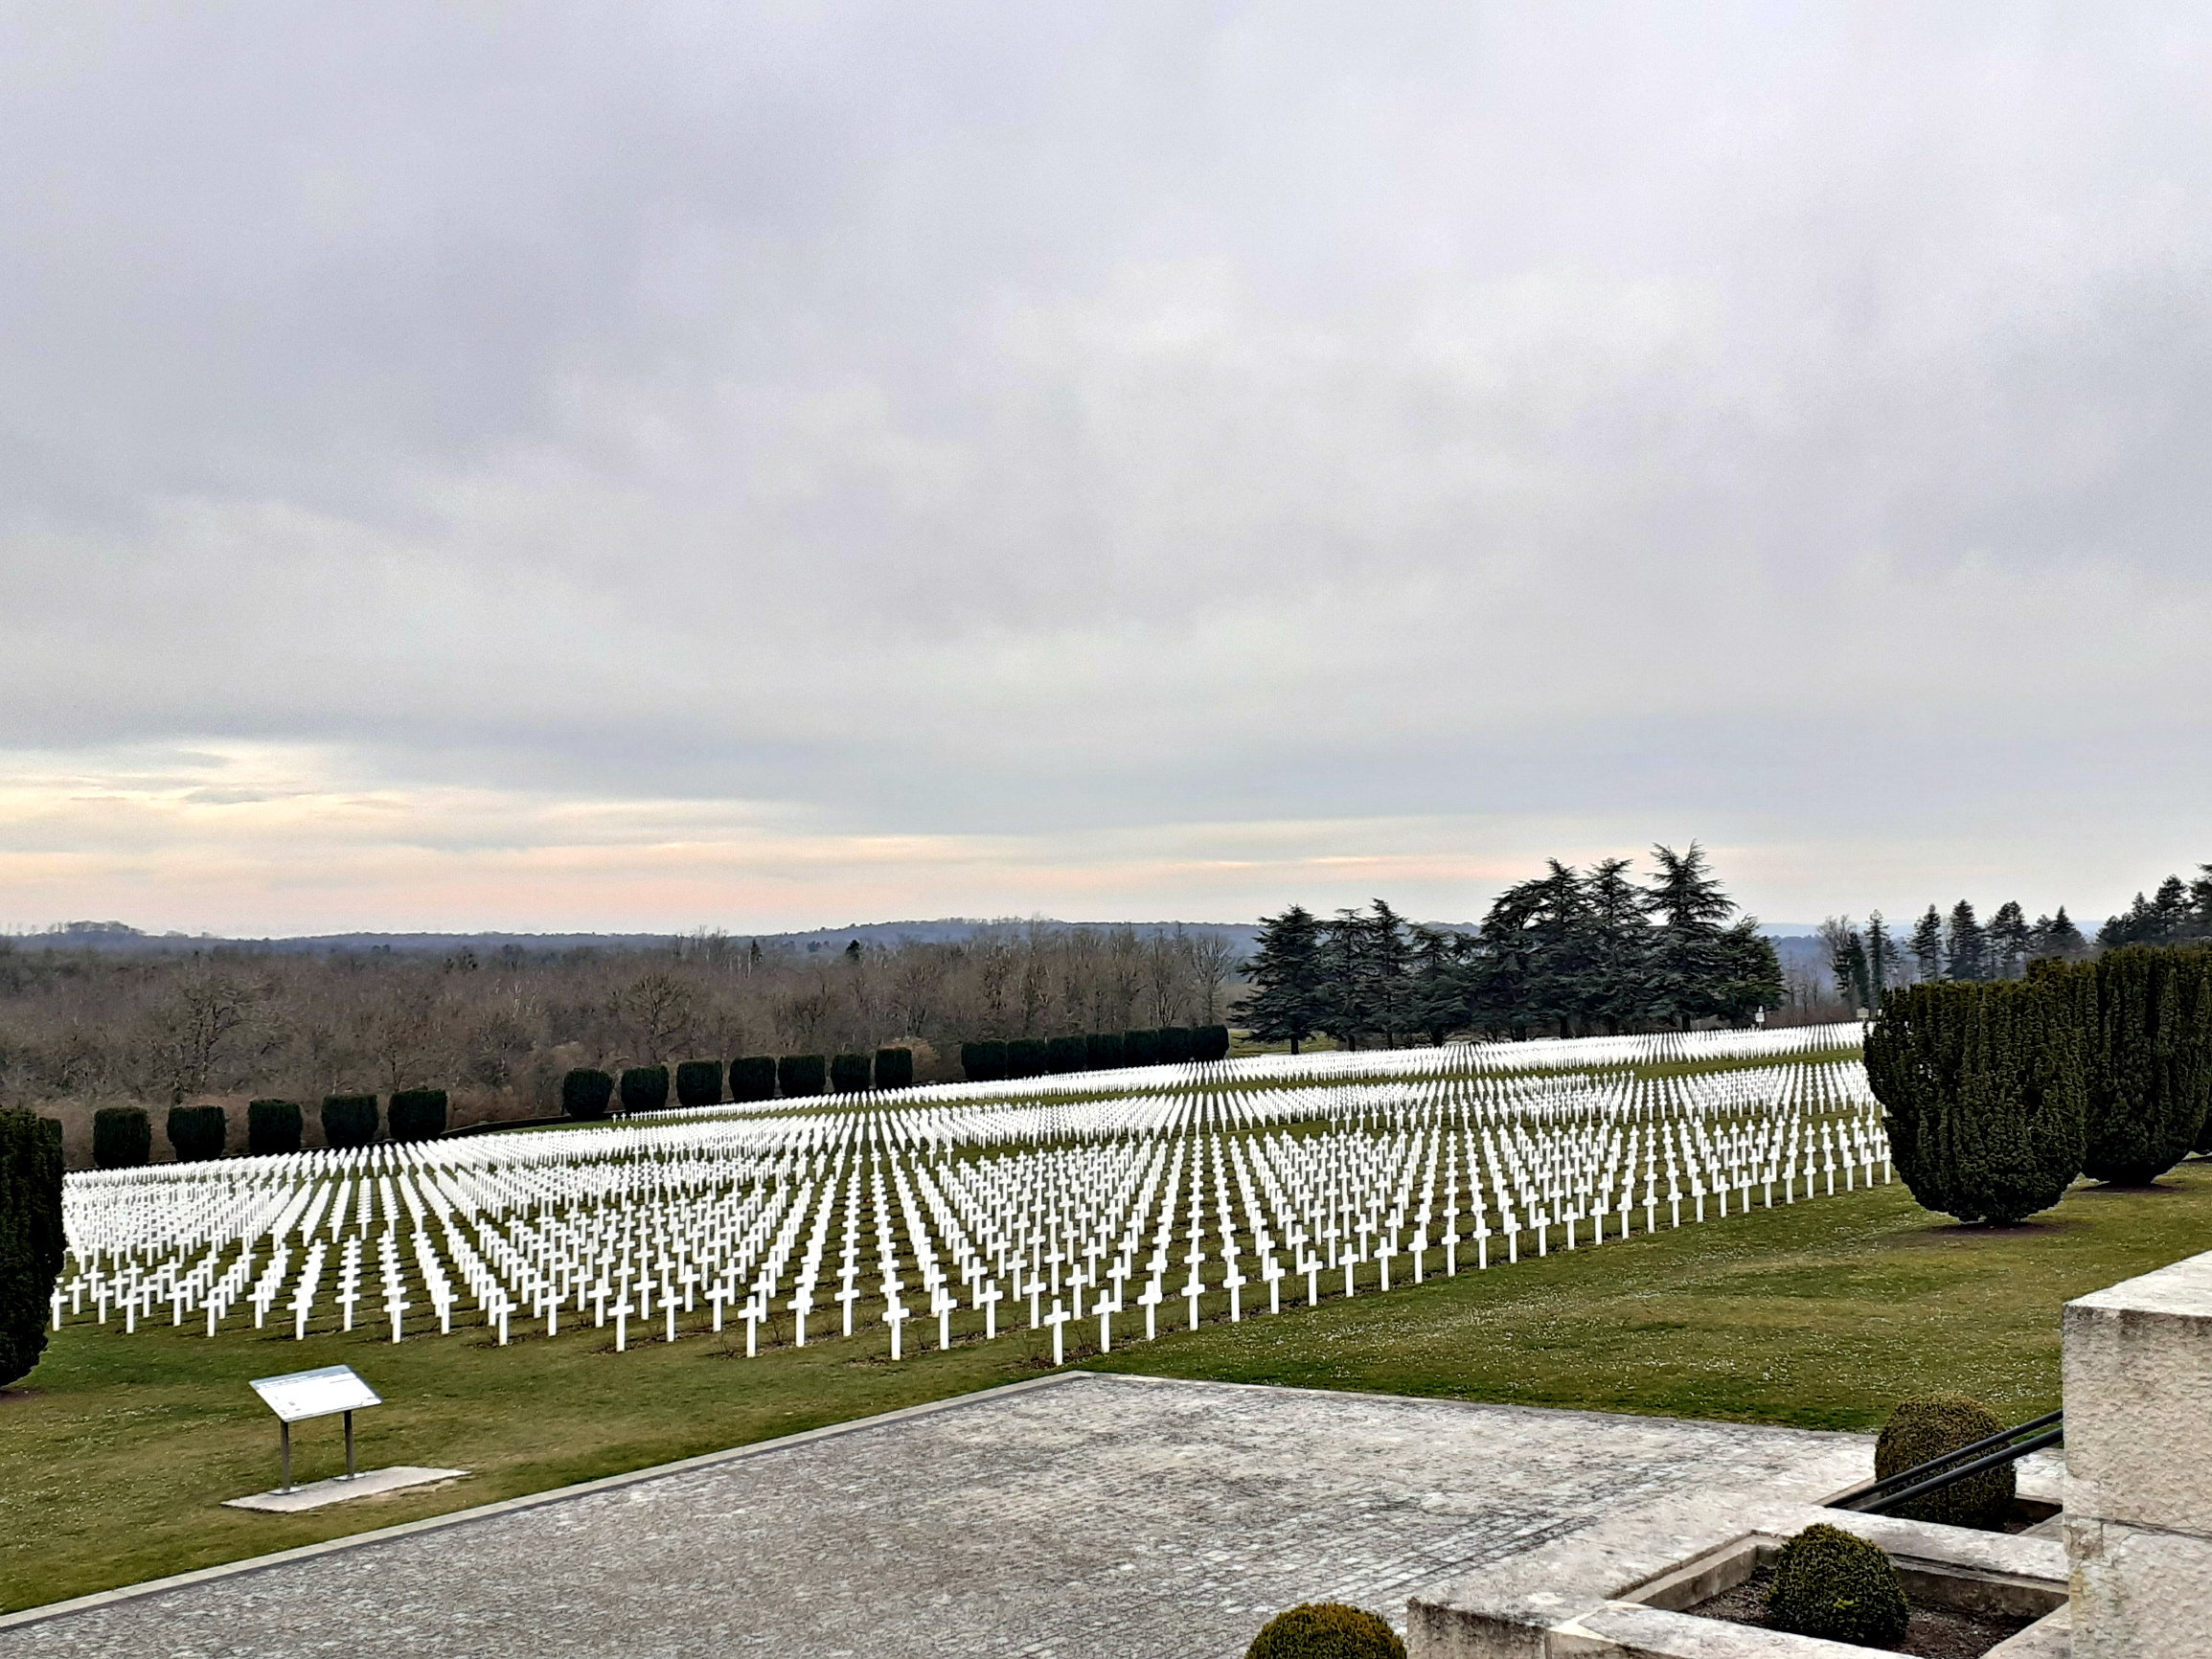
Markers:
point(116, 1453)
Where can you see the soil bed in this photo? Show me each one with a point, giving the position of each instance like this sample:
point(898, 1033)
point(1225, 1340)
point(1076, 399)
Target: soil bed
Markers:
point(1934, 1633)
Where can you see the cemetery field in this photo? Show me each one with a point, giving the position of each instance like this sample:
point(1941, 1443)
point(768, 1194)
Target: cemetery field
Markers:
point(116, 1452)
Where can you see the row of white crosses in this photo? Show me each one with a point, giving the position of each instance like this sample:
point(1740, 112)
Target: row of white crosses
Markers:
point(980, 1216)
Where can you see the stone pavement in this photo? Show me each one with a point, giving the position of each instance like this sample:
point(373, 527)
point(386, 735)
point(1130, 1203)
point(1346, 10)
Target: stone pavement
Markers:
point(1090, 1518)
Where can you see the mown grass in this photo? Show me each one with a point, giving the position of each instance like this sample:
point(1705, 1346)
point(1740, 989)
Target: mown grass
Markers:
point(116, 1453)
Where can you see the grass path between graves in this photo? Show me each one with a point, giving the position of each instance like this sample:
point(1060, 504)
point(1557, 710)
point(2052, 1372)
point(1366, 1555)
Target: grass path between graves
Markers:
point(116, 1452)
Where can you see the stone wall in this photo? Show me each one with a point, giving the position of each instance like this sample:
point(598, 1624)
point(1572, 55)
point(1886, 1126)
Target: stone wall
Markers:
point(2138, 1393)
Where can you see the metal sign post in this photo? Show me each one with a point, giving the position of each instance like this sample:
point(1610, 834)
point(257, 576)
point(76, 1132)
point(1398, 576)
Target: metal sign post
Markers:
point(331, 1391)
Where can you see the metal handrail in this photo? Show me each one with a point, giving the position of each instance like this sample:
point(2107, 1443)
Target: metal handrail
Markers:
point(1920, 1480)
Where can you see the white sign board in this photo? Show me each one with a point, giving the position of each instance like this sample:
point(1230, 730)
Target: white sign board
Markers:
point(306, 1393)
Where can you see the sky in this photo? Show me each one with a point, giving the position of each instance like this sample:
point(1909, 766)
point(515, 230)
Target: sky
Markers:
point(643, 466)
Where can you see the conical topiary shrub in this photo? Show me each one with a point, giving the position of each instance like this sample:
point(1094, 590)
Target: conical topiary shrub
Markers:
point(1836, 1585)
point(1921, 1429)
point(1326, 1630)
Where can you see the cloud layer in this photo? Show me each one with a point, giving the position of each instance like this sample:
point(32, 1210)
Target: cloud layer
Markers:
point(758, 466)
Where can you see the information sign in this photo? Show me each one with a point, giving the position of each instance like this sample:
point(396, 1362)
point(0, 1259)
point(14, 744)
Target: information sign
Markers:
point(322, 1393)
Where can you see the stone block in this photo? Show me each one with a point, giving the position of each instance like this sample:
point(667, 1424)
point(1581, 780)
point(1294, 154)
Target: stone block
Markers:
point(2138, 1517)
point(2140, 1593)
point(2138, 1393)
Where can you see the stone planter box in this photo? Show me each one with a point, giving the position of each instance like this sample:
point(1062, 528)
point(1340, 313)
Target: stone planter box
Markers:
point(1617, 1586)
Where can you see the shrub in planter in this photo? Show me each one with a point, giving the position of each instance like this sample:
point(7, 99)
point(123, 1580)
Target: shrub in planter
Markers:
point(1981, 1092)
point(1921, 1429)
point(1141, 1048)
point(1066, 1054)
point(802, 1074)
point(1326, 1630)
point(122, 1138)
point(1175, 1044)
point(1026, 1057)
point(1210, 1042)
point(894, 1068)
point(983, 1062)
point(31, 1237)
point(274, 1127)
point(700, 1084)
point(753, 1077)
point(1836, 1585)
point(851, 1074)
point(585, 1093)
point(1103, 1049)
point(416, 1114)
point(644, 1088)
point(349, 1120)
point(198, 1133)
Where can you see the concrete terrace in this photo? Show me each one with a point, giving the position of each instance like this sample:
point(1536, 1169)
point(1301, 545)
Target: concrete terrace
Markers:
point(1083, 1516)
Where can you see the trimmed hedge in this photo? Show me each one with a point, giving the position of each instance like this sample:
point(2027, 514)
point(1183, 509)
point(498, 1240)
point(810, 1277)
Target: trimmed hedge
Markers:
point(1103, 1049)
point(851, 1074)
point(894, 1068)
point(984, 1062)
point(2149, 1059)
point(196, 1134)
point(644, 1088)
point(753, 1077)
point(700, 1084)
point(1175, 1044)
point(1836, 1585)
point(1141, 1048)
point(1210, 1042)
point(30, 1237)
point(349, 1120)
point(416, 1114)
point(1981, 1091)
point(1066, 1054)
point(585, 1092)
point(122, 1138)
point(1326, 1630)
point(802, 1074)
point(1921, 1429)
point(1026, 1057)
point(274, 1127)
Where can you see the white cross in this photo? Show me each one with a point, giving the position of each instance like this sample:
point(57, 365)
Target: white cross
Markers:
point(895, 1316)
point(1058, 1317)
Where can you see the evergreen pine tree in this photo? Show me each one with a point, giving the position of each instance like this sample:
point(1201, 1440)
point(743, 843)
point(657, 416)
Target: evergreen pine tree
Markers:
point(1965, 944)
point(1928, 945)
point(1438, 997)
point(1981, 1091)
point(31, 1237)
point(1881, 952)
point(1343, 998)
point(1385, 999)
point(2063, 940)
point(1285, 1004)
point(2010, 941)
point(2149, 1059)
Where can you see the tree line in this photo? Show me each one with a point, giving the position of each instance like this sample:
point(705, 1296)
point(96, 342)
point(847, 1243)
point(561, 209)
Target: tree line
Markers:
point(158, 1027)
point(1567, 953)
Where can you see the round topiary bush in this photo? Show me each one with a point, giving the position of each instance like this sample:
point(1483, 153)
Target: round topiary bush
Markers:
point(1326, 1630)
point(349, 1120)
point(1836, 1585)
point(198, 1133)
point(273, 1127)
point(644, 1088)
point(416, 1114)
point(585, 1093)
point(700, 1084)
point(753, 1077)
point(1921, 1429)
point(122, 1138)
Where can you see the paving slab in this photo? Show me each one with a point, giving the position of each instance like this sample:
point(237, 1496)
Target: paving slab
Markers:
point(1095, 1518)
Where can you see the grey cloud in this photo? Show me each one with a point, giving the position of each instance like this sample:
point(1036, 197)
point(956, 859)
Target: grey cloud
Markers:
point(984, 418)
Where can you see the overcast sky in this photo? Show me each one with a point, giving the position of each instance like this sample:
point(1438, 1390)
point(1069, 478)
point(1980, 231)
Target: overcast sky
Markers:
point(649, 466)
